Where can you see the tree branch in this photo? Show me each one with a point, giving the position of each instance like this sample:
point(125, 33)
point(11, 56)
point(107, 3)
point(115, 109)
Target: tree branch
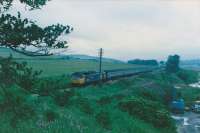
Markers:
point(30, 53)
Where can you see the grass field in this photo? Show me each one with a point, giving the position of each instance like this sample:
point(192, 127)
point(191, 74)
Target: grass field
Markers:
point(54, 65)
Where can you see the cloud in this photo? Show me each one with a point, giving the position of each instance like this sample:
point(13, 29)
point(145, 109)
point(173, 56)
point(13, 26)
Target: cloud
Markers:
point(127, 29)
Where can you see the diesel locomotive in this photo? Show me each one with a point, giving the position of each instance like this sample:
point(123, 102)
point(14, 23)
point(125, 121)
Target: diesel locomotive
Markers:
point(83, 78)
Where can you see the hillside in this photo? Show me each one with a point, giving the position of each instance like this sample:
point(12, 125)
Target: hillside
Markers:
point(59, 65)
point(127, 105)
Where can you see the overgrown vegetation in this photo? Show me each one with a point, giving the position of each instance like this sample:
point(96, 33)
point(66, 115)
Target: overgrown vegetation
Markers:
point(12, 72)
point(188, 76)
point(50, 104)
point(103, 119)
point(147, 110)
point(172, 64)
point(50, 115)
point(144, 62)
point(13, 101)
point(190, 95)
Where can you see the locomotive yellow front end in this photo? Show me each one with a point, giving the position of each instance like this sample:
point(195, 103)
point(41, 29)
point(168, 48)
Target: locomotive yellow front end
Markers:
point(78, 79)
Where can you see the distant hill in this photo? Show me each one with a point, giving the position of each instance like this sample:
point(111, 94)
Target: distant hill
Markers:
point(66, 64)
point(191, 64)
point(88, 57)
point(5, 52)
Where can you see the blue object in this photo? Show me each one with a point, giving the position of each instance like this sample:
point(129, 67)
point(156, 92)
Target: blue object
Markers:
point(178, 106)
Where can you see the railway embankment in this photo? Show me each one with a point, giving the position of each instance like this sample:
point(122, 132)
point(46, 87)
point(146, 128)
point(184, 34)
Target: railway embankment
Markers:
point(133, 104)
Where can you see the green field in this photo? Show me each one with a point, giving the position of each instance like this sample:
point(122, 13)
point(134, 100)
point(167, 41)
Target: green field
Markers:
point(54, 65)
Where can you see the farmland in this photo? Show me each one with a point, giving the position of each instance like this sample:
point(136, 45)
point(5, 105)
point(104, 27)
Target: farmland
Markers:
point(55, 66)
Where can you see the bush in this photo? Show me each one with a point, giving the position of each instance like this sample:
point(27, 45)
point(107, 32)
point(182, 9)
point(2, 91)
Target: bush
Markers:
point(50, 115)
point(12, 72)
point(148, 111)
point(62, 98)
point(84, 105)
point(188, 76)
point(103, 119)
point(14, 102)
point(143, 62)
point(150, 95)
point(104, 100)
point(48, 86)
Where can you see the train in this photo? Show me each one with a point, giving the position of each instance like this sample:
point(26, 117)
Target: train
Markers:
point(84, 78)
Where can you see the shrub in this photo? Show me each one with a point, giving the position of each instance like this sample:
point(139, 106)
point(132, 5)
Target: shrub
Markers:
point(148, 111)
point(14, 102)
point(84, 105)
point(151, 95)
point(50, 115)
point(103, 119)
point(62, 98)
point(12, 72)
point(48, 86)
point(104, 100)
point(188, 76)
point(118, 96)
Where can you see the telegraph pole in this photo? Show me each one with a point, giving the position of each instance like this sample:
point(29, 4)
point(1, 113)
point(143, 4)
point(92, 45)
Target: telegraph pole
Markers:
point(100, 61)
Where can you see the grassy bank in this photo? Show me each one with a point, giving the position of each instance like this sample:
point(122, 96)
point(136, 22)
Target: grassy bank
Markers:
point(127, 105)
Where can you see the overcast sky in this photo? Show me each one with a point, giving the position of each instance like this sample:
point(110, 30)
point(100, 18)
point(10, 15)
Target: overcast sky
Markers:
point(126, 29)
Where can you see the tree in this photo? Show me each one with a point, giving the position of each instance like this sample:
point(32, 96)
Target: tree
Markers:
point(162, 63)
point(143, 62)
point(14, 73)
point(172, 64)
point(25, 36)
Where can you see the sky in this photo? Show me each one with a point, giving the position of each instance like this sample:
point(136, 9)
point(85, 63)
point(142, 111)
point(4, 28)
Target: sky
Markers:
point(126, 29)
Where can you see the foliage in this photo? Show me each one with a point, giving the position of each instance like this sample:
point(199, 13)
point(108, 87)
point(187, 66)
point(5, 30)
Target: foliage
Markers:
point(103, 119)
point(172, 64)
point(12, 72)
point(105, 100)
point(14, 101)
point(84, 105)
point(169, 95)
point(162, 63)
point(148, 111)
point(20, 34)
point(86, 110)
point(188, 76)
point(147, 94)
point(89, 100)
point(49, 85)
point(50, 115)
point(62, 97)
point(6, 4)
point(190, 95)
point(143, 62)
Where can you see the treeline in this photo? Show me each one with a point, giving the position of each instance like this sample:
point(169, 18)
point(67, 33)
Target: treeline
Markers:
point(143, 62)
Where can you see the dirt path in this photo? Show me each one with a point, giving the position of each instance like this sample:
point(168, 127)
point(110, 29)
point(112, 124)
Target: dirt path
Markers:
point(188, 122)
